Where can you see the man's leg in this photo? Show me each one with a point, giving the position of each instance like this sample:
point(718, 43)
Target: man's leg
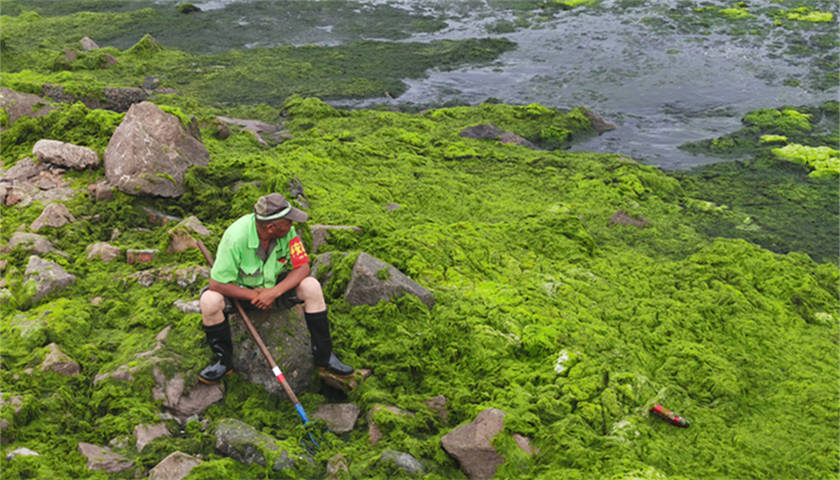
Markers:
point(315, 313)
point(217, 329)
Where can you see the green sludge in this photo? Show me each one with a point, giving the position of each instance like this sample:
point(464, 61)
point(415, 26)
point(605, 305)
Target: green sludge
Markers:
point(526, 270)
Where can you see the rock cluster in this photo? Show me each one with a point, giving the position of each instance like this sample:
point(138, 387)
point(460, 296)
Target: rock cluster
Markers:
point(148, 155)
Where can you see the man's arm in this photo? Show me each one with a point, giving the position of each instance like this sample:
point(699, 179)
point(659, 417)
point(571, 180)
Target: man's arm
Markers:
point(233, 290)
point(265, 297)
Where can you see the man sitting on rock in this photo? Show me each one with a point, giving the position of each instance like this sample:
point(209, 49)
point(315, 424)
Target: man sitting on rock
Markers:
point(261, 260)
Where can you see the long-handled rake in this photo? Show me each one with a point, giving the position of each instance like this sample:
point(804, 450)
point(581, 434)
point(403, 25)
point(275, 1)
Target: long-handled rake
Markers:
point(274, 368)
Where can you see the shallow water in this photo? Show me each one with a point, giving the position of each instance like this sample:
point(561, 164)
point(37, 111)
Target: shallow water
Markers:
point(661, 73)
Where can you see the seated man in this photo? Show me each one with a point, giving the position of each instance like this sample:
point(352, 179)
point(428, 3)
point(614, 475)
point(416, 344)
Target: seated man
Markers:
point(261, 260)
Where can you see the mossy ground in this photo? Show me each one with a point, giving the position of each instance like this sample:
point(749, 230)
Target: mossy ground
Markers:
point(525, 269)
point(572, 326)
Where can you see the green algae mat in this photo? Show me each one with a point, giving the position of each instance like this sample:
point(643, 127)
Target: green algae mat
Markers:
point(571, 323)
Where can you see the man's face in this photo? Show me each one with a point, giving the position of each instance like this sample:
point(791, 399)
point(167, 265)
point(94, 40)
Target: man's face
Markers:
point(279, 228)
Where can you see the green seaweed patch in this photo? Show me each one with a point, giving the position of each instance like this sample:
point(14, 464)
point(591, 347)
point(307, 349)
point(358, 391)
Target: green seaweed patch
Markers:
point(824, 160)
point(773, 139)
point(738, 11)
point(807, 14)
point(762, 128)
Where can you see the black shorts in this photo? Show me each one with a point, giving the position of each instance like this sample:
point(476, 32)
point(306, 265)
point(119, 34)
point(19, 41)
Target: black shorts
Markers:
point(286, 301)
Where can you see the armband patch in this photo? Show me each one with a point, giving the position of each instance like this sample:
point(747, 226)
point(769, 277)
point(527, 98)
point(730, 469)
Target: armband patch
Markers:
point(297, 252)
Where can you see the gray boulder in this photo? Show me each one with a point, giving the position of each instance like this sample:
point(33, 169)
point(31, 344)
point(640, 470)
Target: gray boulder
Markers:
point(598, 123)
point(111, 98)
point(150, 151)
point(145, 433)
point(54, 215)
point(174, 467)
point(88, 44)
point(65, 154)
point(321, 233)
point(48, 276)
point(243, 443)
point(339, 417)
point(103, 459)
point(59, 362)
point(103, 251)
point(373, 280)
point(403, 460)
point(286, 337)
point(471, 445)
point(32, 242)
point(181, 403)
point(488, 131)
point(19, 105)
point(24, 169)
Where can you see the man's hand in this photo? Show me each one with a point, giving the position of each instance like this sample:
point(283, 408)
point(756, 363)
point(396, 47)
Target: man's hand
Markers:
point(263, 298)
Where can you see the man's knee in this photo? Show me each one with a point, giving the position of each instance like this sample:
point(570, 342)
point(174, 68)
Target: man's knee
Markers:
point(211, 303)
point(309, 288)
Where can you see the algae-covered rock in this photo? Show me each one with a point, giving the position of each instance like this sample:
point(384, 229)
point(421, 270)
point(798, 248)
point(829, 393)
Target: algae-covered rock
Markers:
point(103, 458)
point(175, 466)
point(54, 215)
point(373, 280)
point(31, 242)
point(403, 460)
point(287, 339)
point(17, 105)
point(339, 417)
point(150, 152)
point(243, 443)
point(65, 154)
point(471, 444)
point(48, 276)
point(59, 362)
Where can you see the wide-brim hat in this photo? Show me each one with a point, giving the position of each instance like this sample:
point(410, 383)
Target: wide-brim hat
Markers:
point(275, 206)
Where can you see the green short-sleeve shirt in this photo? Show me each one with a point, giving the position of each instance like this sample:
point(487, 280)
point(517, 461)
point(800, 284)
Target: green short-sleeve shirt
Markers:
point(238, 260)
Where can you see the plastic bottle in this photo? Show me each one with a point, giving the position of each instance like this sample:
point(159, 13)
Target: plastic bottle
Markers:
point(669, 416)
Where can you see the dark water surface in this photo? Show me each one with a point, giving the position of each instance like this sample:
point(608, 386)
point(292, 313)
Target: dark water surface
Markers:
point(666, 73)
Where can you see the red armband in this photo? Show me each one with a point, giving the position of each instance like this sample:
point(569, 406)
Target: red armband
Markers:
point(297, 252)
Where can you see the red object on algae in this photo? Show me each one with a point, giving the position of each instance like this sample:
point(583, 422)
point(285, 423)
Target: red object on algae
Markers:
point(669, 416)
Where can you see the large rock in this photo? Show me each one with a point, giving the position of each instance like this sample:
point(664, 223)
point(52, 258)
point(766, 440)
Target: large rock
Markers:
point(488, 131)
point(321, 233)
point(339, 417)
point(103, 459)
point(286, 337)
point(65, 154)
point(32, 242)
point(183, 404)
point(54, 215)
point(174, 467)
point(150, 152)
point(103, 251)
point(405, 461)
point(24, 169)
point(243, 443)
point(598, 123)
point(471, 445)
point(88, 44)
point(111, 98)
point(23, 105)
point(48, 276)
point(146, 432)
point(373, 280)
point(59, 362)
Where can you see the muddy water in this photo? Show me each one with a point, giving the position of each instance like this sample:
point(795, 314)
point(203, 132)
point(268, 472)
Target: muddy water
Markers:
point(660, 71)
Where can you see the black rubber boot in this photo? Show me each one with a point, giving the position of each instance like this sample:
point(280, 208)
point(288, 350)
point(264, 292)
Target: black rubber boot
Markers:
point(319, 333)
point(218, 337)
